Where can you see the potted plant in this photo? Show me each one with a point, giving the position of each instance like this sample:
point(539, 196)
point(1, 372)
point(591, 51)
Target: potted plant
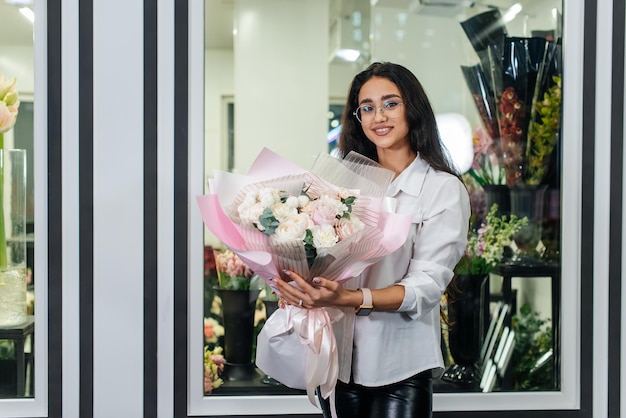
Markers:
point(484, 250)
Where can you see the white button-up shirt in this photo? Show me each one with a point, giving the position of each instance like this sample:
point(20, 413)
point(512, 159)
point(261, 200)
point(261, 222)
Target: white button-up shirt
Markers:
point(388, 347)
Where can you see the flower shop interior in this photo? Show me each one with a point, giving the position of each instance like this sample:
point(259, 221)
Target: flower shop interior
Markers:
point(128, 283)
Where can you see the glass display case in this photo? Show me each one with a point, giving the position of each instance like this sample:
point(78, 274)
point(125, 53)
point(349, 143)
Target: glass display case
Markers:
point(414, 35)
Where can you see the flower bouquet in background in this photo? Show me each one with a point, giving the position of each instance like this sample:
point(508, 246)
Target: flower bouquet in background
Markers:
point(485, 245)
point(544, 133)
point(233, 273)
point(512, 77)
point(13, 288)
point(486, 169)
point(213, 330)
point(214, 361)
point(332, 220)
point(213, 368)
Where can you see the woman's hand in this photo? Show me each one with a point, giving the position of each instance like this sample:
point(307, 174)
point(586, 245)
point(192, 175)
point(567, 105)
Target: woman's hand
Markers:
point(318, 294)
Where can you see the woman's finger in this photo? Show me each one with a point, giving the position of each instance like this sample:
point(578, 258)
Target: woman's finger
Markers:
point(290, 293)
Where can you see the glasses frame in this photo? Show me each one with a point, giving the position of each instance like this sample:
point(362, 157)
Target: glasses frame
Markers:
point(381, 107)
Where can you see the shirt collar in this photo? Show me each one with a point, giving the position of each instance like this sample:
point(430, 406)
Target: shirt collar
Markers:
point(409, 178)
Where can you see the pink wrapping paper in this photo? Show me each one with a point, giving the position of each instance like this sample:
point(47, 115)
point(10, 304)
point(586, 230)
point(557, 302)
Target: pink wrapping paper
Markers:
point(385, 231)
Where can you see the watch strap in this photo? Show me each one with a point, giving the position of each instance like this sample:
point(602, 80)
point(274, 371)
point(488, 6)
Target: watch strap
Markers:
point(367, 305)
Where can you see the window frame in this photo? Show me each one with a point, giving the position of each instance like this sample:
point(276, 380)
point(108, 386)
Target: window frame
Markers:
point(568, 398)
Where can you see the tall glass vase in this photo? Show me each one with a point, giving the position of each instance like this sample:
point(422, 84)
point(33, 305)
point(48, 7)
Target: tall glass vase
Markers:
point(529, 201)
point(12, 237)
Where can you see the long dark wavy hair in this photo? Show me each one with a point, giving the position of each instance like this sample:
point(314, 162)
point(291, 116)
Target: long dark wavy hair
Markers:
point(423, 133)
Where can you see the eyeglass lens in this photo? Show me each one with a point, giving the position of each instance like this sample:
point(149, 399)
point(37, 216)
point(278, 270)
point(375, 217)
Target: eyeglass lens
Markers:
point(367, 112)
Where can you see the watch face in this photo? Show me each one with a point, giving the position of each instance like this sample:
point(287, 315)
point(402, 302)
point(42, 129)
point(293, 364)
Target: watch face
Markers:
point(363, 311)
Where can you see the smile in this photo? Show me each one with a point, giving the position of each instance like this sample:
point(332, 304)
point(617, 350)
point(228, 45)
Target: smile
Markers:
point(382, 131)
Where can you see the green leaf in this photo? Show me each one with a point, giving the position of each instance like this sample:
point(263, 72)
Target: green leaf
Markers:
point(269, 222)
point(309, 248)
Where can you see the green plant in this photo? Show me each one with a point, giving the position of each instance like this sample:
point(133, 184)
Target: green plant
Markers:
point(533, 339)
point(485, 245)
point(544, 133)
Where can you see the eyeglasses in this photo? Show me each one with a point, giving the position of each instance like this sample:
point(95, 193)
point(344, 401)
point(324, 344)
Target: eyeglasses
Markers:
point(367, 112)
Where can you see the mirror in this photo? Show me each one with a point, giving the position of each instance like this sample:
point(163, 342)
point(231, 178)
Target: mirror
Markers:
point(264, 71)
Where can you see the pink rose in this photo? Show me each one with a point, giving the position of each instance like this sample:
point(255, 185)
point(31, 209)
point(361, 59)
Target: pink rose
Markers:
point(348, 226)
point(322, 212)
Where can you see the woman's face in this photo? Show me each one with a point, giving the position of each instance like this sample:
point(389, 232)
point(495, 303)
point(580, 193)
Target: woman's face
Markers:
point(383, 115)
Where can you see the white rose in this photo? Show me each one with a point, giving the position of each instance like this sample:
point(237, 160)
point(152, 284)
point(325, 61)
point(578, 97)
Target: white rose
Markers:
point(250, 199)
point(344, 193)
point(302, 219)
point(303, 200)
point(268, 196)
point(251, 214)
point(293, 201)
point(324, 236)
point(289, 231)
point(339, 206)
point(282, 211)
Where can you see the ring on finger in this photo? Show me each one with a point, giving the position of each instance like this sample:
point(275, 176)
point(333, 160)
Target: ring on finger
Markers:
point(300, 303)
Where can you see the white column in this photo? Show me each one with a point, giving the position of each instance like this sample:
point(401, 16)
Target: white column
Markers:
point(276, 101)
point(71, 210)
point(118, 208)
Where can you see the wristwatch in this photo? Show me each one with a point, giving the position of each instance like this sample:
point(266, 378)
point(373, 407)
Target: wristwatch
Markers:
point(367, 306)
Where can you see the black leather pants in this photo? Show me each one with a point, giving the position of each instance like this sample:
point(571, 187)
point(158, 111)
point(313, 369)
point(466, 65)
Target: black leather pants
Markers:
point(411, 398)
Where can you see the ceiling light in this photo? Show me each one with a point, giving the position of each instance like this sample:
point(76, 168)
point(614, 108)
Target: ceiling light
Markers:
point(350, 55)
point(19, 2)
point(512, 12)
point(28, 13)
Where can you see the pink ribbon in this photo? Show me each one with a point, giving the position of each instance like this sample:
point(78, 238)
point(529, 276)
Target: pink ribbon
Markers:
point(314, 328)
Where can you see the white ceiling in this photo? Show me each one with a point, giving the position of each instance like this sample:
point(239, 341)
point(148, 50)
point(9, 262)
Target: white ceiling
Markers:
point(17, 30)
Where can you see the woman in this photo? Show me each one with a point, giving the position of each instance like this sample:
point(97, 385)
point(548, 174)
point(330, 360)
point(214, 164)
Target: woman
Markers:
point(389, 339)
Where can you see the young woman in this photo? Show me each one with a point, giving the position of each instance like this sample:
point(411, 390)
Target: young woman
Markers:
point(389, 339)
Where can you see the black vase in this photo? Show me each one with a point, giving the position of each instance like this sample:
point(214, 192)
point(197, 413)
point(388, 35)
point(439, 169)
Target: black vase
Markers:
point(465, 331)
point(238, 307)
point(499, 194)
point(270, 307)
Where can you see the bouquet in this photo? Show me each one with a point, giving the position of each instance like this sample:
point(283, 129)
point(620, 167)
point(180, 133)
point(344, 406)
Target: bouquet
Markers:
point(213, 330)
point(214, 363)
point(485, 245)
point(319, 219)
point(512, 78)
point(332, 220)
point(485, 169)
point(232, 272)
